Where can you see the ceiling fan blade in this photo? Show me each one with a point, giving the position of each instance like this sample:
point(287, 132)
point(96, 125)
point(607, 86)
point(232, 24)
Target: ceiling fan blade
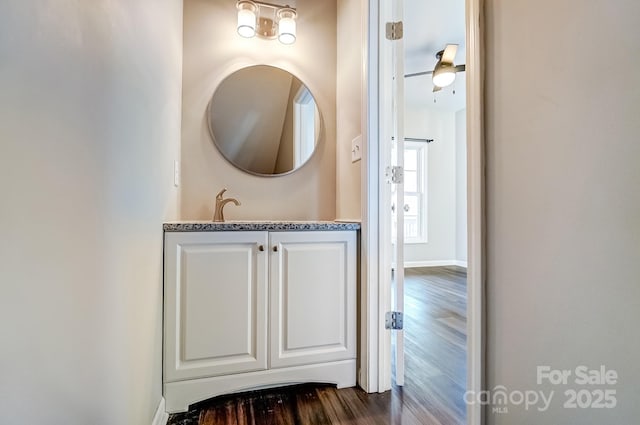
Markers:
point(449, 53)
point(436, 88)
point(416, 74)
point(460, 68)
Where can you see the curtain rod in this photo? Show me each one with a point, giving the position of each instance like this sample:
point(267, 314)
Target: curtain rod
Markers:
point(414, 139)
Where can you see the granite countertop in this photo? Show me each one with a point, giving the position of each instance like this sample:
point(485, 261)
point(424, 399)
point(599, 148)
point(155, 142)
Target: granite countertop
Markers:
point(274, 226)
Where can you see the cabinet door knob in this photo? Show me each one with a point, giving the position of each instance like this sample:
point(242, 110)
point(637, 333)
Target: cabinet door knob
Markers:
point(275, 248)
point(261, 248)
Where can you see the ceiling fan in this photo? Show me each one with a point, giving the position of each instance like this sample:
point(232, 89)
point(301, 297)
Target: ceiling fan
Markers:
point(444, 73)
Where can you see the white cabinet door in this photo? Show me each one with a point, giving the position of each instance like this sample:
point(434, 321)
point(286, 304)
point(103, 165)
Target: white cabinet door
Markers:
point(215, 300)
point(312, 297)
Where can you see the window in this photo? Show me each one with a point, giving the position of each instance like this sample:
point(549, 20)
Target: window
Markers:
point(415, 192)
point(304, 114)
point(415, 206)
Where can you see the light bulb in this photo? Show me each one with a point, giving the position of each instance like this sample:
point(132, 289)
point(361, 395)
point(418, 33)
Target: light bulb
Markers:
point(443, 75)
point(287, 26)
point(246, 18)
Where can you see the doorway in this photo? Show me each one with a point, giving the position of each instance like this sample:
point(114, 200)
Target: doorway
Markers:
point(376, 373)
point(429, 202)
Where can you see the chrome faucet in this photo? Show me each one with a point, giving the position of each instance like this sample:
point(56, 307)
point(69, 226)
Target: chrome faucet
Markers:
point(218, 215)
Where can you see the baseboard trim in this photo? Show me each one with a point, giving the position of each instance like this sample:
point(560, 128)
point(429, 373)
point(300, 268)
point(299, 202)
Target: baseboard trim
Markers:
point(460, 263)
point(433, 263)
point(180, 394)
point(161, 417)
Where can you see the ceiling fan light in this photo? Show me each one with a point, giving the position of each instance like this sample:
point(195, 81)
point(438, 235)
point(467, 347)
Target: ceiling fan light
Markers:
point(443, 75)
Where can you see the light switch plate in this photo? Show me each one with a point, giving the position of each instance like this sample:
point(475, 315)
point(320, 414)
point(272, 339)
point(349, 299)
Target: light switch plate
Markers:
point(176, 173)
point(356, 149)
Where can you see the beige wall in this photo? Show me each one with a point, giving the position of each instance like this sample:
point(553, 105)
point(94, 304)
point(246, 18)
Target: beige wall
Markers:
point(563, 205)
point(349, 107)
point(212, 50)
point(89, 129)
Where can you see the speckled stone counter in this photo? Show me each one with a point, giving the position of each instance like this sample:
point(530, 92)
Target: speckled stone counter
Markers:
point(271, 226)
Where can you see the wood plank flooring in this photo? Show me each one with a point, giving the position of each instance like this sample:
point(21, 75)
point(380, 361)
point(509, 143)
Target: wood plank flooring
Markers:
point(435, 341)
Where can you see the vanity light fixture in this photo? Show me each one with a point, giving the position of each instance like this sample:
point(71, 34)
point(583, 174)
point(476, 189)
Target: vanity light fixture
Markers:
point(266, 20)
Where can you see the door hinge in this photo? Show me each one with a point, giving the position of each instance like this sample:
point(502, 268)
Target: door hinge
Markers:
point(395, 174)
point(393, 320)
point(394, 30)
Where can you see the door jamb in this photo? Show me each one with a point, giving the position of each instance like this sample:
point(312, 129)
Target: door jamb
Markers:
point(476, 214)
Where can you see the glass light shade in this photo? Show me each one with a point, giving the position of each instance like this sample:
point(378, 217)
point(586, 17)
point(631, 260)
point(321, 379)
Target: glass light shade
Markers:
point(443, 75)
point(287, 26)
point(246, 19)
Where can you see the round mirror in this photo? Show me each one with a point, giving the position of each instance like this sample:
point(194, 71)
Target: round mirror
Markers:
point(264, 120)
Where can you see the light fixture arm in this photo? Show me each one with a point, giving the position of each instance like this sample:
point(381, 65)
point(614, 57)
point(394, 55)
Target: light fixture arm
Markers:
point(273, 6)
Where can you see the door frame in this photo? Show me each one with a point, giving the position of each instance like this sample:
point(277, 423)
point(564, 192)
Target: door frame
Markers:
point(374, 372)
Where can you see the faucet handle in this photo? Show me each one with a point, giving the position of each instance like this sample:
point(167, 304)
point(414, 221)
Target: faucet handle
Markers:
point(219, 195)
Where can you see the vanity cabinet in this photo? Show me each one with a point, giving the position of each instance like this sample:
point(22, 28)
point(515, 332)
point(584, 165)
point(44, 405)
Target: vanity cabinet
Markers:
point(248, 309)
point(215, 304)
point(312, 297)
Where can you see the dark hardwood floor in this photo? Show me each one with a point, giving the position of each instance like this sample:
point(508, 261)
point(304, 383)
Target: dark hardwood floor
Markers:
point(435, 341)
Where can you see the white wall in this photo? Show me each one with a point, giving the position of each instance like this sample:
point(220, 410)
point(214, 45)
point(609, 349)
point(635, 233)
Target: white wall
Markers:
point(212, 50)
point(563, 205)
point(348, 107)
point(461, 186)
point(428, 123)
point(89, 123)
